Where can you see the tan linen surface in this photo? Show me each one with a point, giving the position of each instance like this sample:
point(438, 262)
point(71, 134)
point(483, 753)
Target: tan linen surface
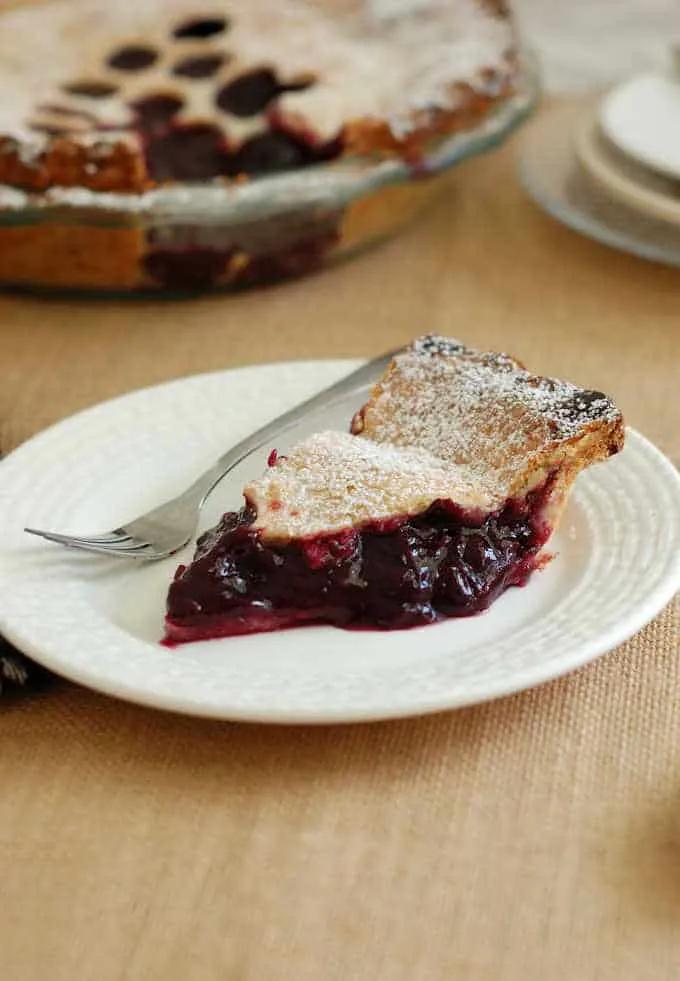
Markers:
point(532, 839)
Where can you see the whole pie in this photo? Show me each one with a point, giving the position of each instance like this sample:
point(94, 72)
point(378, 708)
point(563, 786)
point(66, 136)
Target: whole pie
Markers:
point(104, 102)
point(443, 494)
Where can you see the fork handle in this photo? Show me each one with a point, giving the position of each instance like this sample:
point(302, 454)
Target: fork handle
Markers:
point(367, 374)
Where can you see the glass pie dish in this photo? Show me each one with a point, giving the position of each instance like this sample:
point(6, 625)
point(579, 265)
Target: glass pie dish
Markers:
point(183, 235)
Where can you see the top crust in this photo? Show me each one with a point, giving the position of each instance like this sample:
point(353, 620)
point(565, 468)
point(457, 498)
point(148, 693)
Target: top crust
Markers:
point(380, 80)
point(489, 411)
point(333, 481)
point(445, 422)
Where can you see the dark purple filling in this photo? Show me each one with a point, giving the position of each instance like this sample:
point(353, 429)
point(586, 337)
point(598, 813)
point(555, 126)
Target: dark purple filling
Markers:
point(269, 153)
point(197, 268)
point(191, 269)
point(155, 113)
point(204, 66)
point(194, 152)
point(296, 259)
point(133, 58)
point(201, 27)
point(250, 93)
point(253, 92)
point(387, 575)
point(199, 151)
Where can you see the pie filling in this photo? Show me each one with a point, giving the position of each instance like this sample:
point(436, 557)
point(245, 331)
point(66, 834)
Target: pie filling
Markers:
point(200, 151)
point(190, 152)
point(398, 573)
point(195, 266)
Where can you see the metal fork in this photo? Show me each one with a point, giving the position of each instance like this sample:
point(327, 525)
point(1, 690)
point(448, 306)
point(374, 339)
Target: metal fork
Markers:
point(168, 528)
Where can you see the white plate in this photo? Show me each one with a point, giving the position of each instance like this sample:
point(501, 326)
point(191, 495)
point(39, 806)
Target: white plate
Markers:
point(98, 621)
point(646, 192)
point(553, 177)
point(642, 118)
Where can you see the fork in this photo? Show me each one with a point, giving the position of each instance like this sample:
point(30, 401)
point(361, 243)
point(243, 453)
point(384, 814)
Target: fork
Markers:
point(169, 527)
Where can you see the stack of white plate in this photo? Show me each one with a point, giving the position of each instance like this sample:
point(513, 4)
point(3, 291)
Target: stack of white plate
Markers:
point(610, 168)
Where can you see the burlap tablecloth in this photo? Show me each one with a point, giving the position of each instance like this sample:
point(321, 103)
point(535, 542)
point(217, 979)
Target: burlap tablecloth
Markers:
point(532, 839)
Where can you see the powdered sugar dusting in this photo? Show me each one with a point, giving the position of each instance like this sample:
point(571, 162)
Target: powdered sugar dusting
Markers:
point(565, 407)
point(366, 63)
point(446, 422)
point(479, 408)
point(334, 480)
point(11, 199)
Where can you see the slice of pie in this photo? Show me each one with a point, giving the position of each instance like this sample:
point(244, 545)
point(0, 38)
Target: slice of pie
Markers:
point(114, 113)
point(451, 482)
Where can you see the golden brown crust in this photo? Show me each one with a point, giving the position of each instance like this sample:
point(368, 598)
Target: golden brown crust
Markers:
point(370, 137)
point(445, 422)
point(69, 256)
point(120, 167)
point(485, 409)
point(102, 167)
